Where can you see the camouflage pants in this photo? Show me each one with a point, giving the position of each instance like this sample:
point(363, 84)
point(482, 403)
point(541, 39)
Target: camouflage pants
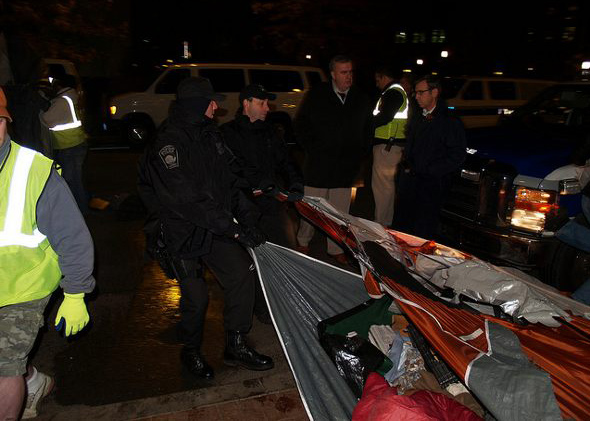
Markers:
point(19, 326)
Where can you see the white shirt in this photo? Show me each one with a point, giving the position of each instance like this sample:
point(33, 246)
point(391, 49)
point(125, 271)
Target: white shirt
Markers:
point(338, 93)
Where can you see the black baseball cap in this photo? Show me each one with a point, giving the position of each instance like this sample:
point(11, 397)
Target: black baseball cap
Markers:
point(256, 91)
point(197, 87)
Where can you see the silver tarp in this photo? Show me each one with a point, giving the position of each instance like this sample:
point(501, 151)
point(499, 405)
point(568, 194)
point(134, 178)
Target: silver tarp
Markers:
point(301, 292)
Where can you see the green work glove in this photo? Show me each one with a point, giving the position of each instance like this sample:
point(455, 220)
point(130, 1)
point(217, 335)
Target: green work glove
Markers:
point(73, 313)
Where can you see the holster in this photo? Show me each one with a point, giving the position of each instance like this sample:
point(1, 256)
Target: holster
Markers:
point(389, 144)
point(163, 258)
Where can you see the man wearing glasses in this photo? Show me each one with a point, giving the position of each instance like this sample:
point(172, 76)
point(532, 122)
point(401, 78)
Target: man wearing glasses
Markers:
point(435, 149)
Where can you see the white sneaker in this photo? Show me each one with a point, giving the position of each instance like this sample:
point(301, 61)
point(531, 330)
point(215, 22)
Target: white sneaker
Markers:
point(34, 396)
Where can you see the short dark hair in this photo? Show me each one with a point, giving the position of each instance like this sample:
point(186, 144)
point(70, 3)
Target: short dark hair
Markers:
point(340, 58)
point(431, 81)
point(385, 71)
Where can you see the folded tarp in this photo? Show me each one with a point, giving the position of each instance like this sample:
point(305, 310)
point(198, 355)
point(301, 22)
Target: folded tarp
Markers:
point(301, 292)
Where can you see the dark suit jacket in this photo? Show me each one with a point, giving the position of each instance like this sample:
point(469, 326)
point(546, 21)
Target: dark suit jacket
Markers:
point(335, 136)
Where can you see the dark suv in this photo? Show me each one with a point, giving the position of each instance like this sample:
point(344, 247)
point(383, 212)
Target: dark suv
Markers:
point(518, 187)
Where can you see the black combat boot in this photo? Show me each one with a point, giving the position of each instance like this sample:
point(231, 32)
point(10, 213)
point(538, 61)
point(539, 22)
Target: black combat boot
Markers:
point(237, 352)
point(195, 363)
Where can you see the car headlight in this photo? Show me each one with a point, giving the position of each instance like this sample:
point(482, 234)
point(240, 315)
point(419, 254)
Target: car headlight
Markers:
point(570, 186)
point(113, 109)
point(531, 207)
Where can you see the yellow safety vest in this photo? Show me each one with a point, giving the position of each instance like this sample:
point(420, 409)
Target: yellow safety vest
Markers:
point(70, 134)
point(29, 267)
point(396, 127)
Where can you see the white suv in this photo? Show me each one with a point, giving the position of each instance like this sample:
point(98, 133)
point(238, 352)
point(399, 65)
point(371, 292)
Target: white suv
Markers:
point(482, 101)
point(141, 113)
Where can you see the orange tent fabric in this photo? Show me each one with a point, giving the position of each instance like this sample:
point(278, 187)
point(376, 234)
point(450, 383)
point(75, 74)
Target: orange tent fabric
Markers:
point(563, 352)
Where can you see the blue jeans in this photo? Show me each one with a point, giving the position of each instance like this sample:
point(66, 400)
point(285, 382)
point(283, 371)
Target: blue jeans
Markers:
point(582, 294)
point(574, 234)
point(71, 161)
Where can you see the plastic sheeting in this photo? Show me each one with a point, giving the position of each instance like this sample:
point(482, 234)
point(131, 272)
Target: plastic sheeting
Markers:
point(484, 284)
point(508, 384)
point(301, 292)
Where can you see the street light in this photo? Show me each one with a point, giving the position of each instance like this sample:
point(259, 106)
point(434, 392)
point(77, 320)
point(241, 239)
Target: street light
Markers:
point(444, 53)
point(308, 56)
point(419, 62)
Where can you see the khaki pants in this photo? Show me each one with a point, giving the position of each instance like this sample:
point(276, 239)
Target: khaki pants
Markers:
point(383, 181)
point(340, 199)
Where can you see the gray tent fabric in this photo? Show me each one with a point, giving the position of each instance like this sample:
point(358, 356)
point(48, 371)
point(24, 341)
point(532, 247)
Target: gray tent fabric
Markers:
point(301, 292)
point(508, 384)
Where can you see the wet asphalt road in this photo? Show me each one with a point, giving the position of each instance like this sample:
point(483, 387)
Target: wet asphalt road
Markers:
point(130, 350)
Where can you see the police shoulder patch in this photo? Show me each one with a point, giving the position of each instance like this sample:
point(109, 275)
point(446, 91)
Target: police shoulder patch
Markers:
point(169, 156)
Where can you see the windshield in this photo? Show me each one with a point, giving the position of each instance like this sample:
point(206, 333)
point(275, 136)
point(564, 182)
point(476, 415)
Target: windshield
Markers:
point(563, 108)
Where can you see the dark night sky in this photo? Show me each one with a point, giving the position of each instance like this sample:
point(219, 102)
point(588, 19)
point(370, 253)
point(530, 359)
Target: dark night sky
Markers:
point(480, 35)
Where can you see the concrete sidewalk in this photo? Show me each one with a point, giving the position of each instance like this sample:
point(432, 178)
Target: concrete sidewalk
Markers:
point(264, 398)
point(126, 364)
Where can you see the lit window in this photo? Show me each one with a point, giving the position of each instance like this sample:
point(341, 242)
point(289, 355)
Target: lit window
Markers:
point(438, 36)
point(419, 38)
point(569, 33)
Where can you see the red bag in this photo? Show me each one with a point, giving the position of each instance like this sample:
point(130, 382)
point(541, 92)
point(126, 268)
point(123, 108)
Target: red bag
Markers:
point(380, 402)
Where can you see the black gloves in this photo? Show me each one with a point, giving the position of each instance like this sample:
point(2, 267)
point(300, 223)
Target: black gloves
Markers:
point(268, 187)
point(252, 237)
point(295, 192)
point(248, 236)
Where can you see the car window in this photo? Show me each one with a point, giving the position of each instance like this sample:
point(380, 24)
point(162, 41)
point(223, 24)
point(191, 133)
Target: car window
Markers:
point(277, 80)
point(224, 80)
point(474, 90)
point(170, 81)
point(451, 87)
point(313, 78)
point(530, 89)
point(561, 108)
point(502, 90)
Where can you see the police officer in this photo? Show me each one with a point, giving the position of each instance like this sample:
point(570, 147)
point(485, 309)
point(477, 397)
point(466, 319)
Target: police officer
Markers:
point(263, 160)
point(389, 118)
point(186, 182)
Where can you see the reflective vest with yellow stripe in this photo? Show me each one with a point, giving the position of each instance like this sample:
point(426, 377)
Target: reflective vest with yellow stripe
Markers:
point(29, 268)
point(70, 134)
point(396, 127)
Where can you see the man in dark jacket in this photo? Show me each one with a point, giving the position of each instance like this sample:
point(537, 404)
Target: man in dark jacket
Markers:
point(333, 126)
point(435, 149)
point(262, 159)
point(186, 183)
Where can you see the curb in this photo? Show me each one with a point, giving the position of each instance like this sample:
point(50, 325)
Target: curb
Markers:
point(176, 402)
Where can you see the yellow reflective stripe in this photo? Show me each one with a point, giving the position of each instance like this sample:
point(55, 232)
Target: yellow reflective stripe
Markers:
point(72, 125)
point(20, 239)
point(401, 114)
point(11, 234)
point(18, 189)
